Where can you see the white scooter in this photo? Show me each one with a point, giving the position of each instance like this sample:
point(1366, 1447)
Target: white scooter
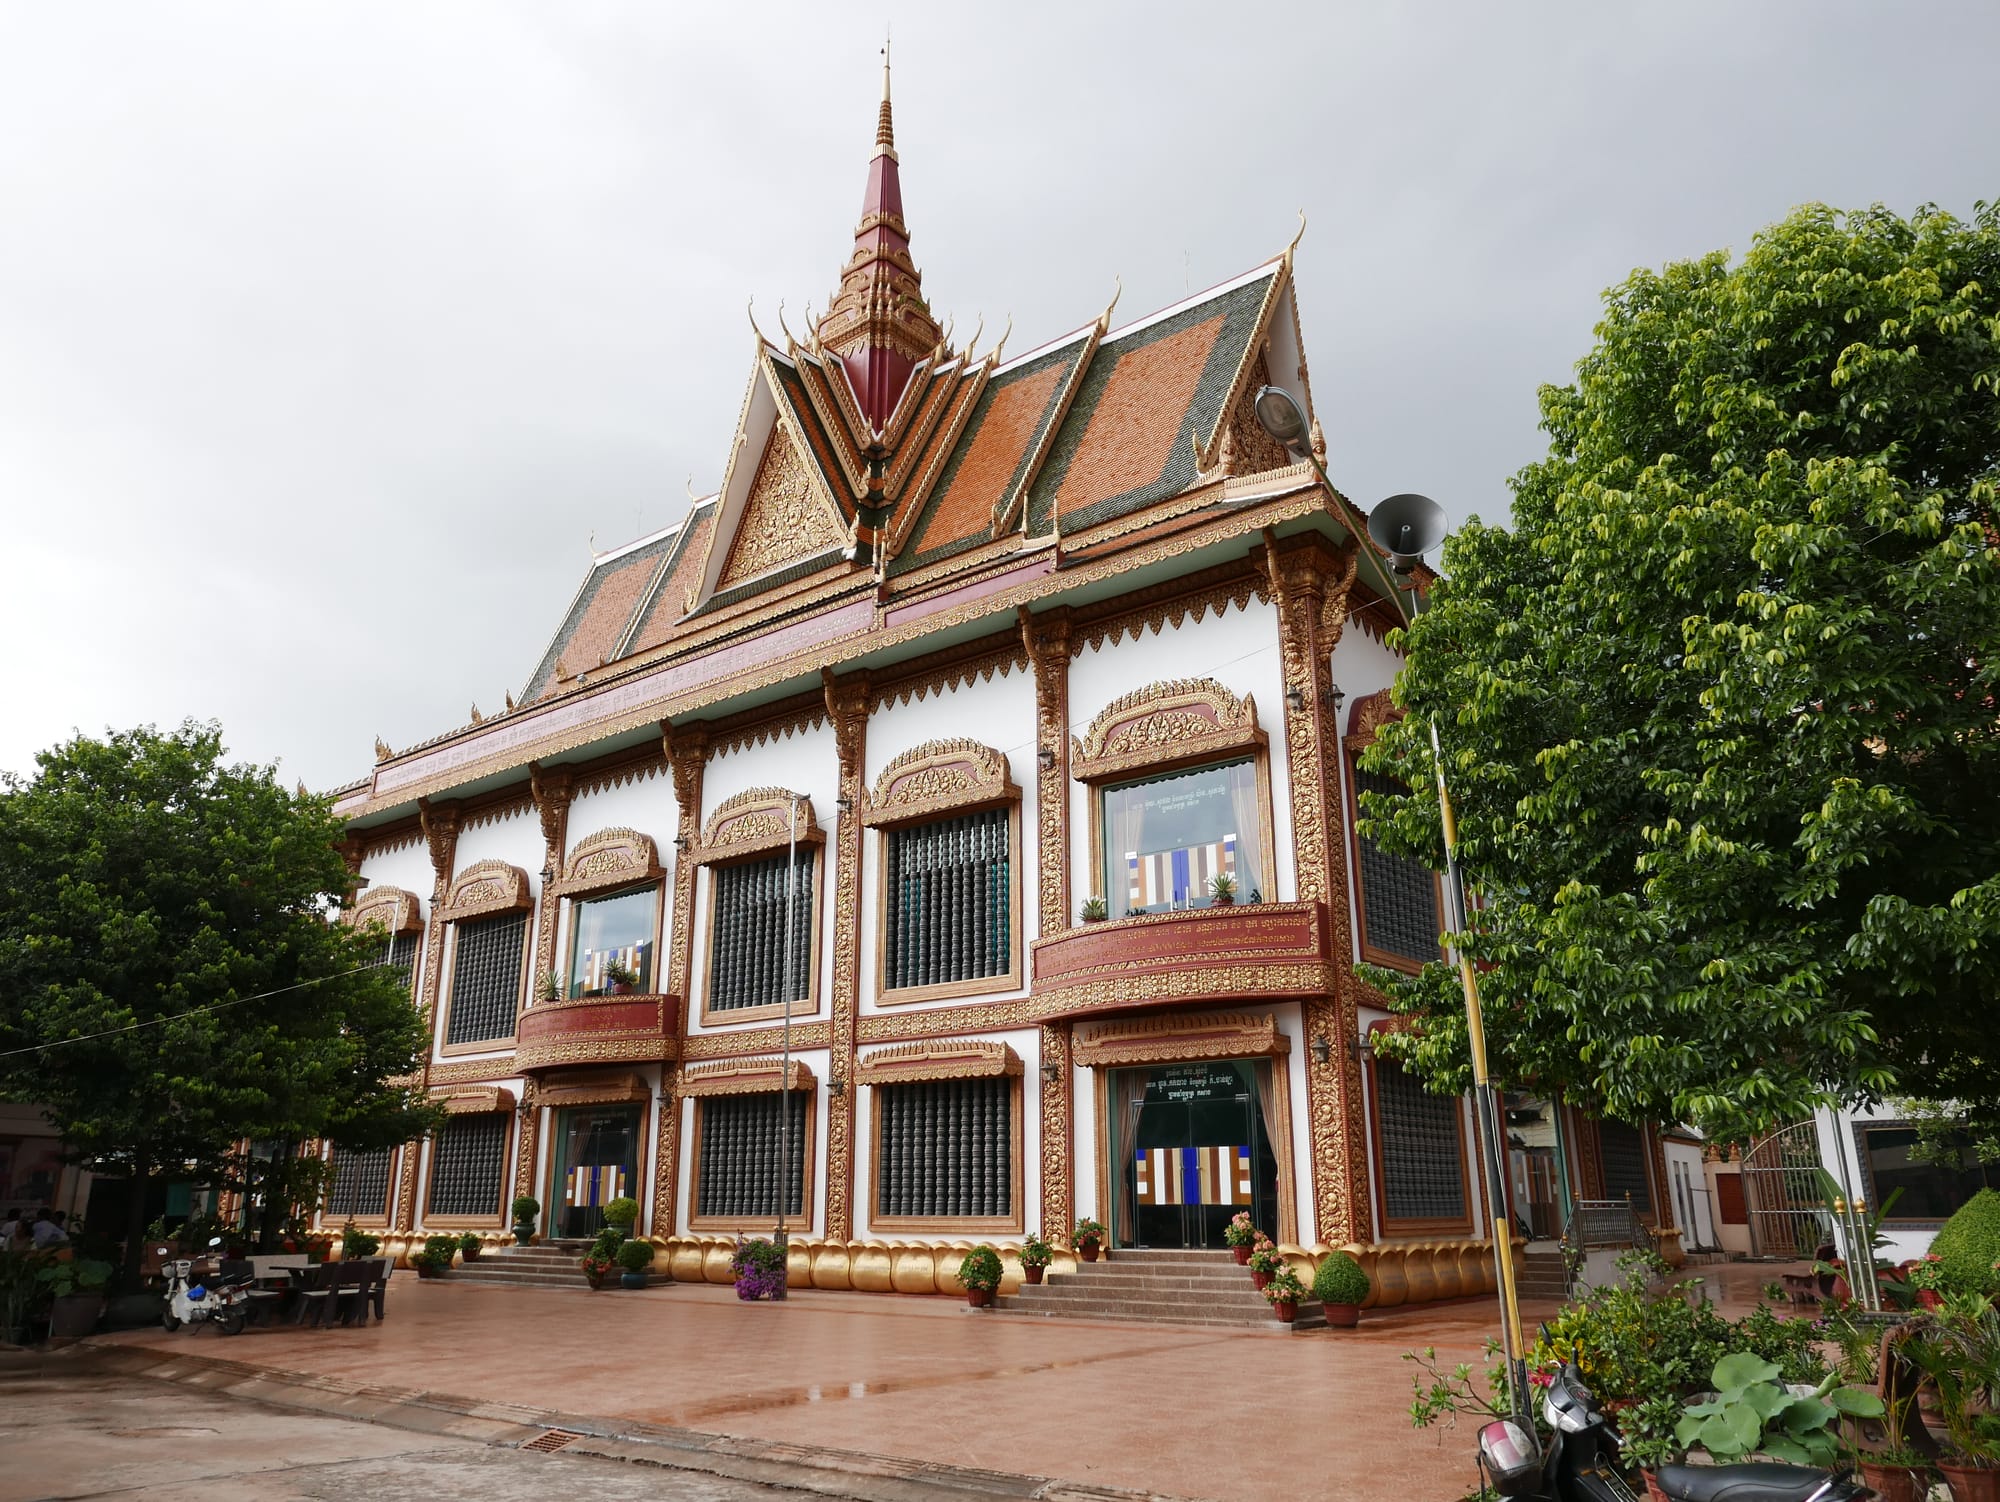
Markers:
point(219, 1303)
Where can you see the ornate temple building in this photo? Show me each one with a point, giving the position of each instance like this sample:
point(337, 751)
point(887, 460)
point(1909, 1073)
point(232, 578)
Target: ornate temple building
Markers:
point(997, 718)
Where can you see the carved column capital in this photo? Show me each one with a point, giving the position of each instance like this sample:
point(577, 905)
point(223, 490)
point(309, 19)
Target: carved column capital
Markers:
point(439, 822)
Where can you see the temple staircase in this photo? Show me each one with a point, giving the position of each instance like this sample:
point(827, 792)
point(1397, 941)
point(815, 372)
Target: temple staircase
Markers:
point(550, 1264)
point(1543, 1275)
point(1159, 1287)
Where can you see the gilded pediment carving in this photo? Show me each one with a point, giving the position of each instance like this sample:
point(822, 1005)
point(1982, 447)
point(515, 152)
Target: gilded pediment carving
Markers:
point(755, 1076)
point(1180, 719)
point(486, 887)
point(1365, 721)
point(937, 1059)
point(609, 858)
point(937, 776)
point(786, 516)
point(1179, 1037)
point(389, 908)
point(756, 820)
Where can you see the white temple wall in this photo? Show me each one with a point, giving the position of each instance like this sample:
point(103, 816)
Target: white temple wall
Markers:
point(407, 866)
point(1239, 649)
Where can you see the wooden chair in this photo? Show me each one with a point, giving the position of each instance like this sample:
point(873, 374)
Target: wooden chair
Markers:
point(379, 1293)
point(350, 1298)
point(313, 1289)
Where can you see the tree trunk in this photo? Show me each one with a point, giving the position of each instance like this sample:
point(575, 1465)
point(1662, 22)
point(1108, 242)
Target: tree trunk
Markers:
point(135, 1220)
point(277, 1183)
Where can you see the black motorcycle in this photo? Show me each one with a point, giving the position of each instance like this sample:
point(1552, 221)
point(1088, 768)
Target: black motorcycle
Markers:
point(1581, 1463)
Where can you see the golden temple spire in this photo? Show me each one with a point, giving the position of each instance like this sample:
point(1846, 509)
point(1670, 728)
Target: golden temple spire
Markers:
point(885, 126)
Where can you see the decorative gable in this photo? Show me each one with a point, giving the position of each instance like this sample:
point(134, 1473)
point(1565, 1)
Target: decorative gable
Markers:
point(787, 515)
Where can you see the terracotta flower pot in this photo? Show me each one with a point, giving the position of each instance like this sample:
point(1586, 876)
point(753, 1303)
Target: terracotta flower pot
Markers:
point(1894, 1483)
point(1032, 1274)
point(1259, 1277)
point(1653, 1489)
point(1286, 1310)
point(1088, 1252)
point(471, 1252)
point(1242, 1254)
point(1971, 1483)
point(1343, 1316)
point(979, 1298)
point(1227, 899)
point(1929, 1298)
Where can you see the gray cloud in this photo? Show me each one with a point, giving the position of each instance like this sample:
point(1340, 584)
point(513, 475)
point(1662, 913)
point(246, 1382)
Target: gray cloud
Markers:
point(328, 336)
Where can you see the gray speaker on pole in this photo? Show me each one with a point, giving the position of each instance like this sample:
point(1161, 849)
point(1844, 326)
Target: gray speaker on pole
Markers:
point(1406, 527)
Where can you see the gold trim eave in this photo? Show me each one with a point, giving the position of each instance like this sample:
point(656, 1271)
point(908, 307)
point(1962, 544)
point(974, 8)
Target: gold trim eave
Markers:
point(1247, 520)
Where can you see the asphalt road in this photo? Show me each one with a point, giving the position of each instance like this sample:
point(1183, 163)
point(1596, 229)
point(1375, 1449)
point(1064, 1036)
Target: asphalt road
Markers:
point(68, 1433)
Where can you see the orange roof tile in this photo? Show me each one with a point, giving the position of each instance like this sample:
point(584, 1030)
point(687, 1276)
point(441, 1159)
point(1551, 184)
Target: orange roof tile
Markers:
point(1005, 431)
point(1137, 420)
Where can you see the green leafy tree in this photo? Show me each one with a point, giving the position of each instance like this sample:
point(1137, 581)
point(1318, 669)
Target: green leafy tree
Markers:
point(171, 979)
point(1719, 709)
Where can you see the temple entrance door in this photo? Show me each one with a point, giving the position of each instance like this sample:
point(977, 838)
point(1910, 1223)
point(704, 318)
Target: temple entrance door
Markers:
point(1191, 1153)
point(597, 1160)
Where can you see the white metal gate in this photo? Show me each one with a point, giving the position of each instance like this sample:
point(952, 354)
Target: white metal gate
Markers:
point(1782, 1193)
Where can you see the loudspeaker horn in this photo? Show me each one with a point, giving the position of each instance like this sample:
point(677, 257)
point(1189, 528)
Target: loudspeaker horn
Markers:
point(1406, 527)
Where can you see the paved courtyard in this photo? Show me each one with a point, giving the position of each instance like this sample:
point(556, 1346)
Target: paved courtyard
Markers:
point(1181, 1411)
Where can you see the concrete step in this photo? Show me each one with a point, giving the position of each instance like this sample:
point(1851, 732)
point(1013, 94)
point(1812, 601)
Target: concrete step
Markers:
point(570, 1279)
point(1156, 1277)
point(1139, 1311)
point(1246, 1297)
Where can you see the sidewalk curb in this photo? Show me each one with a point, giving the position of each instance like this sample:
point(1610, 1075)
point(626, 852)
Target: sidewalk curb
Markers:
point(832, 1473)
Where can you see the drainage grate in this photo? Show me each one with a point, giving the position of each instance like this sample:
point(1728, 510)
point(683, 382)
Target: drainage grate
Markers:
point(551, 1440)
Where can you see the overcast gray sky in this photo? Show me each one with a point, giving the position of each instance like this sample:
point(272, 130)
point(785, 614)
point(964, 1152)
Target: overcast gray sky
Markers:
point(330, 334)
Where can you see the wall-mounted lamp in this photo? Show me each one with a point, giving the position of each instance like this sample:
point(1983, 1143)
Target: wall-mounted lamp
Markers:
point(1296, 697)
point(1339, 697)
point(681, 843)
point(1052, 1072)
point(360, 883)
point(836, 1085)
point(845, 805)
point(548, 874)
point(1045, 759)
point(1321, 1051)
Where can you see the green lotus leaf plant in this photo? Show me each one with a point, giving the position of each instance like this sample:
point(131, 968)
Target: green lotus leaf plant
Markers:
point(1752, 1412)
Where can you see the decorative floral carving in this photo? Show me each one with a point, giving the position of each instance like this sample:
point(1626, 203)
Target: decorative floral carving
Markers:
point(786, 516)
point(474, 1100)
point(737, 1042)
point(608, 1087)
point(755, 820)
point(936, 776)
point(1365, 721)
point(487, 887)
point(1180, 1037)
point(609, 858)
point(955, 1059)
point(393, 909)
point(1049, 645)
point(596, 1029)
point(1057, 1169)
point(1183, 717)
point(747, 1076)
point(848, 700)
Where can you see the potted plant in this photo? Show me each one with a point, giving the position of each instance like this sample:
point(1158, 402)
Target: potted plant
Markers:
point(635, 1261)
point(1036, 1255)
point(1240, 1235)
point(434, 1261)
point(1087, 1238)
point(1265, 1261)
point(1340, 1284)
point(980, 1273)
point(1283, 1293)
point(1646, 1440)
point(1093, 910)
point(1222, 889)
point(356, 1244)
point(601, 1259)
point(1752, 1412)
point(550, 987)
point(1958, 1349)
point(526, 1208)
point(620, 979)
point(619, 1214)
point(77, 1285)
point(760, 1271)
point(468, 1246)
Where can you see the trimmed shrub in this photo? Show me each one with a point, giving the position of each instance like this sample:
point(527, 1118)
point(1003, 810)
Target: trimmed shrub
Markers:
point(622, 1211)
point(1969, 1244)
point(1340, 1280)
point(636, 1256)
point(980, 1269)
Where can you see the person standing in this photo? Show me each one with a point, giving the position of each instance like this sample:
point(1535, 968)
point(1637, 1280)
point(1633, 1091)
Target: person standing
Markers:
point(49, 1230)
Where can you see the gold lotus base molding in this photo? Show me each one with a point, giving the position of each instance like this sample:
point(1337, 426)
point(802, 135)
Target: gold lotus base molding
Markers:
point(1400, 1273)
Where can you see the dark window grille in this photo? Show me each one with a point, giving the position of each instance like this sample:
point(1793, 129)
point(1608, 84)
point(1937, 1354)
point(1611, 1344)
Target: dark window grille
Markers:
point(946, 1148)
point(948, 907)
point(360, 1183)
point(486, 979)
point(1625, 1164)
point(747, 953)
point(1930, 1191)
point(467, 1158)
point(1423, 1171)
point(739, 1154)
point(1399, 899)
point(401, 952)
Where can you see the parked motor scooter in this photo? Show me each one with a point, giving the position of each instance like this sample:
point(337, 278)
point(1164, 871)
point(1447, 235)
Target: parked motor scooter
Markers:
point(222, 1302)
point(1581, 1463)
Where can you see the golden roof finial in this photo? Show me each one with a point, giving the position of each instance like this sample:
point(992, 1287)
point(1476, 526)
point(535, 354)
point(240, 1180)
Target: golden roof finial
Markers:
point(1005, 334)
point(1104, 318)
point(382, 751)
point(885, 128)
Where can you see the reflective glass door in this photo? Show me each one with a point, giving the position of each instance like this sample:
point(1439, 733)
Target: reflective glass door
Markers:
point(597, 1160)
point(1191, 1151)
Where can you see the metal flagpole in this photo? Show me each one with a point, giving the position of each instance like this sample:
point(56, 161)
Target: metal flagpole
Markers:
point(785, 1075)
point(1487, 1107)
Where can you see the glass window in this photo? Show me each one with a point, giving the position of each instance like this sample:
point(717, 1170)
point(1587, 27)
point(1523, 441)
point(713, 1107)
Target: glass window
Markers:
point(486, 979)
point(948, 908)
point(747, 950)
point(616, 929)
point(946, 1148)
point(1931, 1191)
point(1167, 838)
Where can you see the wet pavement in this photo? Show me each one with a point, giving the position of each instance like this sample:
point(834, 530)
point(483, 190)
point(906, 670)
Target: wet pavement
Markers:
point(1185, 1411)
